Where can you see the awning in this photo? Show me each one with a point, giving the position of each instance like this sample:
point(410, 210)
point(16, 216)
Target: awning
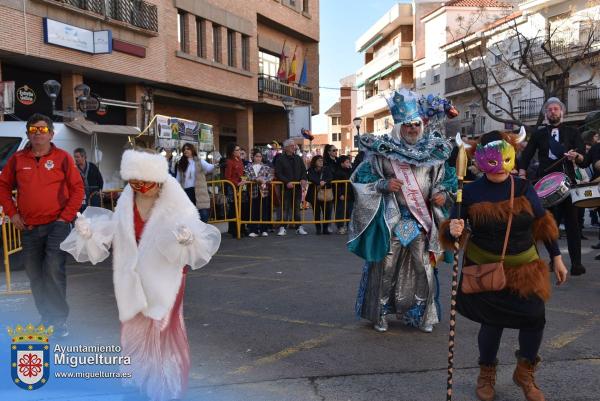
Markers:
point(385, 72)
point(370, 43)
point(90, 128)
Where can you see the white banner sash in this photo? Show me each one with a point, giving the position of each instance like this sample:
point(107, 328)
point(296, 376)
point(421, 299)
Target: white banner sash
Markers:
point(412, 194)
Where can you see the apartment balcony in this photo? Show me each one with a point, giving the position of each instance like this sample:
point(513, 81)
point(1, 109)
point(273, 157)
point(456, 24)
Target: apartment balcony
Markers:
point(530, 108)
point(462, 82)
point(389, 59)
point(273, 87)
point(371, 106)
point(399, 14)
point(588, 100)
point(137, 13)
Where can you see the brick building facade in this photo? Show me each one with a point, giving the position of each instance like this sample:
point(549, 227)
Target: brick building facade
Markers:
point(209, 61)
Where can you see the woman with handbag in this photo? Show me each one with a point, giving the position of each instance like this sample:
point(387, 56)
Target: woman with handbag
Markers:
point(504, 282)
point(320, 194)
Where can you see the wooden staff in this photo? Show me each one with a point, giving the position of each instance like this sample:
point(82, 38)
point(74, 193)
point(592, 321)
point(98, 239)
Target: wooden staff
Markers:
point(461, 172)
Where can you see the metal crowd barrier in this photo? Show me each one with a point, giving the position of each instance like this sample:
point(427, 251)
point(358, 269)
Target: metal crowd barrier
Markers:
point(223, 205)
point(230, 204)
point(279, 205)
point(221, 193)
point(11, 244)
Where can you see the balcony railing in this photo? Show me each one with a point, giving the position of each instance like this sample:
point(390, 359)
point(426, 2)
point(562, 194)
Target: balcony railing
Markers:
point(138, 13)
point(463, 81)
point(588, 100)
point(557, 48)
point(370, 106)
point(387, 60)
point(274, 87)
point(530, 108)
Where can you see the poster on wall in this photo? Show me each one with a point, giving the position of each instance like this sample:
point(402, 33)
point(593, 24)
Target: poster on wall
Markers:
point(174, 132)
point(7, 97)
point(299, 120)
point(163, 128)
point(185, 130)
point(206, 142)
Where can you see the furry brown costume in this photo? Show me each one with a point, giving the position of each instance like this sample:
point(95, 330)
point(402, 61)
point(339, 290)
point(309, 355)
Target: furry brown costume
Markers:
point(530, 278)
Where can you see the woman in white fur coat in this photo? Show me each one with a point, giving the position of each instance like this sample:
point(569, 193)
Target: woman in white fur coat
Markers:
point(155, 233)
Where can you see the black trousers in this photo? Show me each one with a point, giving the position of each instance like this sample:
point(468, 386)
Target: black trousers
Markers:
point(489, 341)
point(568, 214)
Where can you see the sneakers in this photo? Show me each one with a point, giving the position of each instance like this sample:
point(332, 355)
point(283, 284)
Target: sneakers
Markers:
point(281, 231)
point(342, 231)
point(301, 231)
point(265, 234)
point(253, 235)
point(60, 330)
point(427, 328)
point(597, 246)
point(382, 325)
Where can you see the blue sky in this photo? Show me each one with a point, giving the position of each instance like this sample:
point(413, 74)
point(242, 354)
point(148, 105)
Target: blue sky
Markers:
point(342, 22)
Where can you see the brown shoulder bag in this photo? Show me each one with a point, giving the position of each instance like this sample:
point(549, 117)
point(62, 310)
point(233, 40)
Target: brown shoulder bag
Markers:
point(489, 276)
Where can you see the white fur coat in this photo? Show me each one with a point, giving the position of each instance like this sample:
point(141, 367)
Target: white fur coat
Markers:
point(147, 276)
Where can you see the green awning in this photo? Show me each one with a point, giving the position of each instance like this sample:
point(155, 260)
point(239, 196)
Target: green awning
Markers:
point(383, 73)
point(370, 43)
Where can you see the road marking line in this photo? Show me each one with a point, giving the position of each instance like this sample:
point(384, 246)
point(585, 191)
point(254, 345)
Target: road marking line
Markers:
point(278, 318)
point(225, 255)
point(241, 266)
point(285, 353)
point(570, 336)
point(244, 277)
point(571, 311)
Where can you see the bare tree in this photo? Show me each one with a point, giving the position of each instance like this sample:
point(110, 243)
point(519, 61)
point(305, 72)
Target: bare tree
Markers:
point(545, 58)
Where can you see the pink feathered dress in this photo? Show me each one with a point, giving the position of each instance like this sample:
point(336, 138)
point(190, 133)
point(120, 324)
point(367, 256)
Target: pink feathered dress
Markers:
point(159, 349)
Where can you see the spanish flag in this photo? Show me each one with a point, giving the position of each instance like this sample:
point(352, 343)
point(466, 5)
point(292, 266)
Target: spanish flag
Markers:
point(282, 71)
point(293, 67)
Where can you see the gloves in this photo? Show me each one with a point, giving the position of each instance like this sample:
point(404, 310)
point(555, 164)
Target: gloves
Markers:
point(183, 235)
point(82, 226)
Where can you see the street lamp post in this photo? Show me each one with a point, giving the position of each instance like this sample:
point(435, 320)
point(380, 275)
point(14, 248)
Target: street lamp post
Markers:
point(82, 94)
point(357, 121)
point(288, 106)
point(473, 108)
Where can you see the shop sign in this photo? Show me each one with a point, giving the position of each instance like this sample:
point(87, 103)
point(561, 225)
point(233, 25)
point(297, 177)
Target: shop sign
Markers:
point(26, 95)
point(72, 37)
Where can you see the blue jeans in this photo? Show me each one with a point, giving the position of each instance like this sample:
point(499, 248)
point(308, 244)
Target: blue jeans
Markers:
point(204, 214)
point(45, 267)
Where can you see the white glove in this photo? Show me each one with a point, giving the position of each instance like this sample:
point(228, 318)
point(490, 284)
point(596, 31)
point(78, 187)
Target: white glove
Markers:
point(183, 235)
point(82, 226)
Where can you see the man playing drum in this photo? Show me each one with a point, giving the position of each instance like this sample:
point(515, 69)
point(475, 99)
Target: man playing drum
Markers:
point(559, 147)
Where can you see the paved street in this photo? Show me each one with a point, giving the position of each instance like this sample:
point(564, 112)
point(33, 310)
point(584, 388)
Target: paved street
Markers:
point(272, 319)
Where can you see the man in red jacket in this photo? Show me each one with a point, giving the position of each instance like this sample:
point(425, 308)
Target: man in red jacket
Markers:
point(50, 192)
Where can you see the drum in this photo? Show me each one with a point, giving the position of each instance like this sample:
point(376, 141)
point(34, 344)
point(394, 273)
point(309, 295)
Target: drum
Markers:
point(586, 195)
point(553, 189)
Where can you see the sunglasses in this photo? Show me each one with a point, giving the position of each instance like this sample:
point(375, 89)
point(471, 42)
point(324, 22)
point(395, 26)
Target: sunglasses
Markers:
point(33, 130)
point(413, 124)
point(334, 150)
point(142, 186)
